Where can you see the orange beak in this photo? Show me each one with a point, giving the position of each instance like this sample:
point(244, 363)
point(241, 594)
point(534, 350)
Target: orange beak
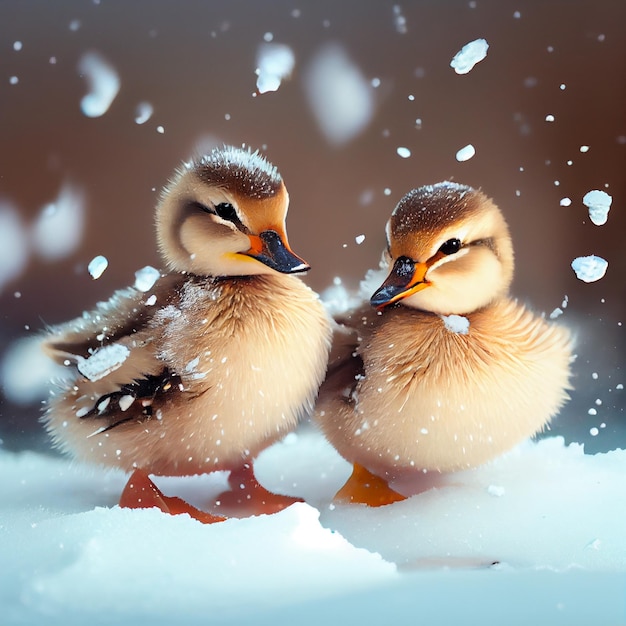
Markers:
point(406, 278)
point(273, 250)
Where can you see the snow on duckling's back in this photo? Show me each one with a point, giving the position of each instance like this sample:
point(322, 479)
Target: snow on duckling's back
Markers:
point(450, 371)
point(218, 359)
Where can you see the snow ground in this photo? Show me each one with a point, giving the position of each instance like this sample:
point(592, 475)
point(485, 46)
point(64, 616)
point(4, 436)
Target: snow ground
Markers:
point(533, 537)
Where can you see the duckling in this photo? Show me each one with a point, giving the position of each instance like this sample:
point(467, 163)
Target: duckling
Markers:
point(446, 371)
point(214, 363)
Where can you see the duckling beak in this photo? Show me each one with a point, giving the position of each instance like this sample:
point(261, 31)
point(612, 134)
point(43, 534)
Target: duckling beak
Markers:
point(406, 278)
point(274, 251)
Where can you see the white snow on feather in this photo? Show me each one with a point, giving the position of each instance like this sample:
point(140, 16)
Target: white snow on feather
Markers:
point(275, 62)
point(470, 54)
point(103, 83)
point(143, 112)
point(340, 97)
point(13, 244)
point(97, 265)
point(58, 229)
point(599, 203)
point(146, 277)
point(103, 361)
point(456, 324)
point(466, 153)
point(589, 268)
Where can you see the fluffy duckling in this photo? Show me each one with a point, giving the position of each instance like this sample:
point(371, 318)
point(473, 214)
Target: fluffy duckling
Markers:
point(215, 362)
point(449, 371)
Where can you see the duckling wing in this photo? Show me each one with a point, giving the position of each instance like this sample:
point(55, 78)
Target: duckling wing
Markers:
point(127, 313)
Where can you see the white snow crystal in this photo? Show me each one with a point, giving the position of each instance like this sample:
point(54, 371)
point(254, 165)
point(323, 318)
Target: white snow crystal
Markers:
point(599, 203)
point(97, 265)
point(340, 97)
point(125, 402)
point(143, 112)
point(103, 83)
point(146, 277)
point(58, 229)
point(556, 313)
point(589, 268)
point(359, 239)
point(565, 202)
point(405, 153)
point(275, 62)
point(103, 361)
point(466, 153)
point(456, 324)
point(470, 54)
point(13, 244)
point(549, 118)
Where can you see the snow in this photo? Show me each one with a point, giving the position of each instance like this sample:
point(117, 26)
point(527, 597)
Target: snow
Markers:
point(565, 202)
point(58, 229)
point(275, 62)
point(496, 540)
point(599, 203)
point(13, 244)
point(589, 268)
point(466, 153)
point(456, 324)
point(103, 83)
point(97, 265)
point(143, 112)
point(146, 277)
point(340, 97)
point(403, 152)
point(470, 54)
point(25, 372)
point(103, 361)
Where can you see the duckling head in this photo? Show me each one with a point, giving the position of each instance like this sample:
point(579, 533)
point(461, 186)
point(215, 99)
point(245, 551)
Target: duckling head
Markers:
point(224, 215)
point(450, 251)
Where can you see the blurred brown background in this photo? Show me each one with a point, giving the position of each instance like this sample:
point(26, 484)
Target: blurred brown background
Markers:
point(195, 62)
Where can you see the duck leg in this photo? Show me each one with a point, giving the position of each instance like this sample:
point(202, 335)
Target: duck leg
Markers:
point(363, 487)
point(247, 497)
point(141, 493)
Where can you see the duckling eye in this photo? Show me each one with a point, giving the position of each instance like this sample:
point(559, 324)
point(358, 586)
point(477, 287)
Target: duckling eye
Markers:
point(450, 247)
point(227, 212)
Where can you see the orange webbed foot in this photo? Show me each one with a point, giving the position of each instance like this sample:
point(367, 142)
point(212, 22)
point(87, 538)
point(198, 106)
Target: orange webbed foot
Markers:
point(141, 493)
point(247, 497)
point(363, 487)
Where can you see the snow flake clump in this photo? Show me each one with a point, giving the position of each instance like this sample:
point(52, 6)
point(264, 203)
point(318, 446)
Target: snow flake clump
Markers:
point(470, 54)
point(103, 81)
point(146, 277)
point(97, 265)
point(275, 61)
point(143, 112)
point(598, 202)
point(340, 97)
point(103, 361)
point(589, 268)
point(58, 229)
point(466, 153)
point(405, 153)
point(13, 244)
point(456, 324)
